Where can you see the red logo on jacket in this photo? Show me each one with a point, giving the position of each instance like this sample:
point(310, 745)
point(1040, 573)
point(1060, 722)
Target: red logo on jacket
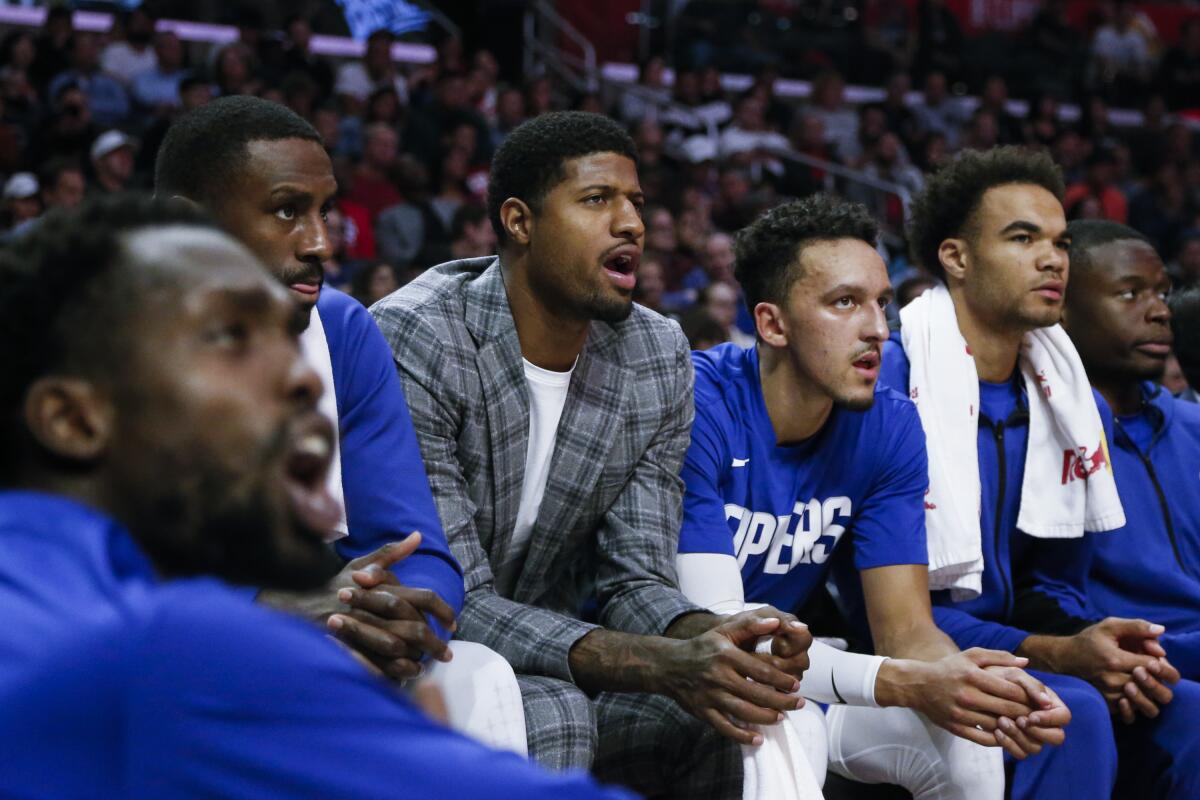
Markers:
point(1078, 464)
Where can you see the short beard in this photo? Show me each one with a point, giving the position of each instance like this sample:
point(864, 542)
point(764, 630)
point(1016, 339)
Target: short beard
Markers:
point(855, 403)
point(596, 306)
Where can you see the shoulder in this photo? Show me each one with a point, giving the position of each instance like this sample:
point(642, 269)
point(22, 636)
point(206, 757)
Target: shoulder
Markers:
point(647, 337)
point(439, 293)
point(340, 311)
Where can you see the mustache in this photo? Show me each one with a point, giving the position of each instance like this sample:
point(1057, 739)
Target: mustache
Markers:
point(309, 271)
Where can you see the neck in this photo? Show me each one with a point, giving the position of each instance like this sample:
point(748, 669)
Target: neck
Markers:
point(995, 348)
point(548, 340)
point(797, 408)
point(1124, 396)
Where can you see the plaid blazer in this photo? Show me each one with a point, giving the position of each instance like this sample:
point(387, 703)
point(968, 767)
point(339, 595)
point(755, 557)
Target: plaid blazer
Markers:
point(609, 519)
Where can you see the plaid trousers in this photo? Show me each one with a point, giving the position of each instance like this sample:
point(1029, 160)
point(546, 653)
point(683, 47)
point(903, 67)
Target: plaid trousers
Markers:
point(643, 741)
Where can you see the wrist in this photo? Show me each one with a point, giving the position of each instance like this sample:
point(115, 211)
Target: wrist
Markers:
point(895, 681)
point(1045, 652)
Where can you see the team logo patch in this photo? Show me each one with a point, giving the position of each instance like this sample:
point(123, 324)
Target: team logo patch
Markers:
point(1078, 464)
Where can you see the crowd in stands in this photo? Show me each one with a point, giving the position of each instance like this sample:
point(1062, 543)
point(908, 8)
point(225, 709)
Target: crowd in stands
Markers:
point(83, 113)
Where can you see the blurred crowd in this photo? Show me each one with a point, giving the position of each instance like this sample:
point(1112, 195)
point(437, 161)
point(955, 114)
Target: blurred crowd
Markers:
point(83, 113)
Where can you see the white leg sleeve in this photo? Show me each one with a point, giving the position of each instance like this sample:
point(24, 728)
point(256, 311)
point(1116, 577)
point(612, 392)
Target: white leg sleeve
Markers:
point(901, 747)
point(482, 696)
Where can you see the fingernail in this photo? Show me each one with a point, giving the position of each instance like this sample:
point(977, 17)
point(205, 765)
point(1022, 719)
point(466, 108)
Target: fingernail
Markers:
point(1022, 722)
point(1155, 628)
point(1005, 723)
point(779, 717)
point(797, 625)
point(344, 595)
point(335, 622)
point(757, 740)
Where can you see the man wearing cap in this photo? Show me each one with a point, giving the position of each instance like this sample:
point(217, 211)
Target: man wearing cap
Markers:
point(112, 158)
point(21, 202)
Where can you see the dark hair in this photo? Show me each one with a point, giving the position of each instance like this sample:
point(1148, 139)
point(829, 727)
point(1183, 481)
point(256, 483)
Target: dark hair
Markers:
point(530, 161)
point(700, 326)
point(953, 193)
point(49, 174)
point(67, 292)
point(1088, 234)
point(1185, 324)
point(768, 251)
point(467, 214)
point(206, 147)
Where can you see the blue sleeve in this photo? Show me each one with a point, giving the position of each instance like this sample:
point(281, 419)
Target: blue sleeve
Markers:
point(383, 476)
point(705, 529)
point(1051, 588)
point(969, 631)
point(890, 526)
point(1183, 650)
point(249, 703)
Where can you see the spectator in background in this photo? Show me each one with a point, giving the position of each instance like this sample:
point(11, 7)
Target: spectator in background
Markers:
point(68, 130)
point(63, 184)
point(839, 120)
point(157, 88)
point(888, 162)
point(539, 97)
point(913, 286)
point(1071, 152)
point(650, 94)
point(17, 54)
point(233, 71)
point(21, 200)
point(939, 40)
point(702, 329)
point(1122, 54)
point(130, 56)
point(1042, 124)
point(53, 45)
point(339, 268)
point(482, 84)
point(1160, 210)
point(373, 282)
point(721, 300)
point(748, 142)
point(938, 112)
point(1101, 167)
point(1179, 72)
point(471, 233)
point(106, 97)
point(651, 283)
point(112, 157)
point(982, 132)
point(994, 99)
point(1185, 268)
point(510, 112)
point(298, 57)
point(1185, 325)
point(373, 187)
point(901, 119)
point(451, 107)
point(357, 79)
point(193, 92)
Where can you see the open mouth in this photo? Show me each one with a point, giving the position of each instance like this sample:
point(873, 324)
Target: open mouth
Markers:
point(621, 267)
point(868, 363)
point(305, 470)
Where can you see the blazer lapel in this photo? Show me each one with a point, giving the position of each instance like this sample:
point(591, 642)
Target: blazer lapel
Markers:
point(587, 431)
point(506, 400)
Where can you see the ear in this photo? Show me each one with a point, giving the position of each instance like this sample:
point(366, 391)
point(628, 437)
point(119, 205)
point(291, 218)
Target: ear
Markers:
point(954, 258)
point(770, 324)
point(70, 417)
point(517, 219)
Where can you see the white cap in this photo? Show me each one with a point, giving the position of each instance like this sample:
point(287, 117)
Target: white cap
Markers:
point(107, 142)
point(20, 186)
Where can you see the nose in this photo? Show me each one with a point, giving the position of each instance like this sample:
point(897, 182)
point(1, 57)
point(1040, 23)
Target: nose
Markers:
point(627, 223)
point(1158, 311)
point(1053, 258)
point(876, 328)
point(314, 241)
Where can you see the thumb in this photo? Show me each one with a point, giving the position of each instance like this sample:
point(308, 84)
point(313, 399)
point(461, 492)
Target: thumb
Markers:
point(746, 630)
point(996, 658)
point(391, 553)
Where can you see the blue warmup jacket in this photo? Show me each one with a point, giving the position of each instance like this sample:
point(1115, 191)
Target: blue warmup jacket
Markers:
point(1029, 585)
point(1151, 567)
point(116, 684)
point(383, 476)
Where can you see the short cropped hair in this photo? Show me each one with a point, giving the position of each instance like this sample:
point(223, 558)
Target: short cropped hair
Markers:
point(1185, 324)
point(952, 196)
point(65, 295)
point(206, 147)
point(767, 252)
point(1088, 234)
point(529, 163)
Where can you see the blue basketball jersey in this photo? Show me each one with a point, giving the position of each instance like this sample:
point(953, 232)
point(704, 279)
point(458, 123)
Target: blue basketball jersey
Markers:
point(781, 511)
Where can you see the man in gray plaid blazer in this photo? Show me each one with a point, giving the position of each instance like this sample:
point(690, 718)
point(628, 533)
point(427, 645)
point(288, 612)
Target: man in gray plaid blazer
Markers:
point(645, 697)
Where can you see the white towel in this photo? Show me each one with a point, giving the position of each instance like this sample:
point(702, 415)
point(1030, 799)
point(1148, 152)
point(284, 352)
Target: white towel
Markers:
point(1068, 486)
point(315, 349)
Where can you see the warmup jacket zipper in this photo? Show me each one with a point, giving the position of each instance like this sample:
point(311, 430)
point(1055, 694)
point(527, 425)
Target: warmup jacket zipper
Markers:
point(1017, 417)
point(1162, 497)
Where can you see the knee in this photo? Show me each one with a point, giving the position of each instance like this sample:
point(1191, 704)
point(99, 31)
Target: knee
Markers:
point(1090, 729)
point(560, 722)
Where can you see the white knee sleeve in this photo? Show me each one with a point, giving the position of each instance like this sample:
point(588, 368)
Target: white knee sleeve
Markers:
point(482, 696)
point(901, 747)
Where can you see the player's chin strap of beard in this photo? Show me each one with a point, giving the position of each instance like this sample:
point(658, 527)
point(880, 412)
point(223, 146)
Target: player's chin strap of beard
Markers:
point(833, 675)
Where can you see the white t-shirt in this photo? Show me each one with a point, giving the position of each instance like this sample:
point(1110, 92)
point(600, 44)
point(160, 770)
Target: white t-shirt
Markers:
point(315, 349)
point(547, 396)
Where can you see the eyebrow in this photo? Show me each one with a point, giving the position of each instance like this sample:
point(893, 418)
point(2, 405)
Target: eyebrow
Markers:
point(605, 187)
point(1029, 227)
point(248, 299)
